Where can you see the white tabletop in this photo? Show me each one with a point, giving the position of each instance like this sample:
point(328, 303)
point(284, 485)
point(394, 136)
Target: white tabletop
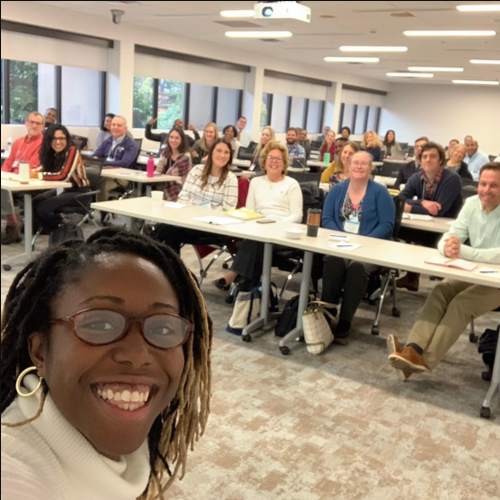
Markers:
point(242, 163)
point(139, 176)
point(33, 185)
point(372, 251)
point(316, 163)
point(436, 225)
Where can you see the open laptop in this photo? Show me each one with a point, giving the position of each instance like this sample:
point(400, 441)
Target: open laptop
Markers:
point(397, 155)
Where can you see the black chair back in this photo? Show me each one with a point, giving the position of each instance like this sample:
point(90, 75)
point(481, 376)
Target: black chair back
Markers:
point(403, 145)
point(299, 163)
point(316, 145)
point(251, 145)
point(399, 204)
point(312, 197)
point(302, 177)
point(246, 153)
point(411, 151)
point(93, 169)
point(469, 188)
point(388, 169)
point(80, 142)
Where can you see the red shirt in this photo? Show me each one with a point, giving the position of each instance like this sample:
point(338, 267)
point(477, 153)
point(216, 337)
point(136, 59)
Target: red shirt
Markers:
point(24, 149)
point(325, 149)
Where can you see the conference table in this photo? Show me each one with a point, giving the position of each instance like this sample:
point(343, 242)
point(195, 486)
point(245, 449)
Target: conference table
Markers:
point(15, 186)
point(383, 253)
point(139, 177)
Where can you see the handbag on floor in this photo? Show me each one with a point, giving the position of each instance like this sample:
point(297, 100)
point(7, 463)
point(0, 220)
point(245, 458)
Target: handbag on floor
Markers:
point(246, 309)
point(64, 232)
point(288, 319)
point(317, 331)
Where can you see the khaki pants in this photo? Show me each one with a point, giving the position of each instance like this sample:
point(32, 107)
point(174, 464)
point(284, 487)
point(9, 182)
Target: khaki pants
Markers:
point(106, 185)
point(447, 312)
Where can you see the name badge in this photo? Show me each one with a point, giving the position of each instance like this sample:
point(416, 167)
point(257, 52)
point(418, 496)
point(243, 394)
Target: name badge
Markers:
point(352, 226)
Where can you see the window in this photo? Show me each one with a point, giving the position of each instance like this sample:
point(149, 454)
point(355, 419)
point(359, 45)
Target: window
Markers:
point(228, 105)
point(80, 97)
point(347, 112)
point(23, 85)
point(201, 105)
point(373, 118)
point(28, 86)
point(265, 110)
point(361, 120)
point(280, 113)
point(297, 113)
point(171, 103)
point(315, 116)
point(143, 101)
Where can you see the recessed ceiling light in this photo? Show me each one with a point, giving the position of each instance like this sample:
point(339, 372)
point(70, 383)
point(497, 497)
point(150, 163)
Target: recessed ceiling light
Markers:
point(450, 33)
point(485, 61)
point(373, 48)
point(476, 82)
point(479, 8)
point(431, 68)
point(237, 13)
point(353, 59)
point(258, 34)
point(410, 75)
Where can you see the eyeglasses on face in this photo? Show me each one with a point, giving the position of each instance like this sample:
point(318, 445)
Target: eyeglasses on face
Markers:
point(102, 327)
point(360, 163)
point(32, 122)
point(59, 139)
point(277, 159)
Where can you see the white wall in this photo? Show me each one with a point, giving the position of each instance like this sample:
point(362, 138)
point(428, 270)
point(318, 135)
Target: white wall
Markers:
point(443, 112)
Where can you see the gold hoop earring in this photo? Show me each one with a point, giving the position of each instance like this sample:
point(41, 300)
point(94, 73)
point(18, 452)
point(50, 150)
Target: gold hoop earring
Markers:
point(20, 380)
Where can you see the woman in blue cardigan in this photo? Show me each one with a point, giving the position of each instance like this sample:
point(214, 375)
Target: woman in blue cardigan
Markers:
point(357, 206)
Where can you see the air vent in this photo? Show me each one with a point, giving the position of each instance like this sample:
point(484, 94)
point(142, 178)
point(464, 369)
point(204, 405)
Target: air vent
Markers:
point(238, 24)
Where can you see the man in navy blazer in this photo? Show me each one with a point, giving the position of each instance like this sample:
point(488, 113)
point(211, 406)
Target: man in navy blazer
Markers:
point(119, 150)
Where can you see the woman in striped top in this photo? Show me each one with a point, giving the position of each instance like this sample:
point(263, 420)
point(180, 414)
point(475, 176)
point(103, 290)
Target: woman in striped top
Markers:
point(212, 184)
point(60, 161)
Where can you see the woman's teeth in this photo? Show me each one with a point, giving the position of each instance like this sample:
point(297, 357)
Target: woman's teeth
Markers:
point(130, 398)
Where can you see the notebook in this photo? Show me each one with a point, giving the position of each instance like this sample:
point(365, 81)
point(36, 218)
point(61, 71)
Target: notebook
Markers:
point(464, 265)
point(244, 214)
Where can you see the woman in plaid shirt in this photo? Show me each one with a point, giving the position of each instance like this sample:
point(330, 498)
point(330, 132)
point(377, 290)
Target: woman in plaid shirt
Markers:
point(175, 160)
point(212, 184)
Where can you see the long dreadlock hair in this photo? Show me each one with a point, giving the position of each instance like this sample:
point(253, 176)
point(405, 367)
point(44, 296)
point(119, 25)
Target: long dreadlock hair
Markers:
point(27, 309)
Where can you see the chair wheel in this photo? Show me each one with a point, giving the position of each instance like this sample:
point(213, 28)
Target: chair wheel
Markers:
point(285, 350)
point(6, 267)
point(373, 302)
point(486, 376)
point(225, 266)
point(396, 312)
point(246, 338)
point(473, 338)
point(485, 412)
point(375, 330)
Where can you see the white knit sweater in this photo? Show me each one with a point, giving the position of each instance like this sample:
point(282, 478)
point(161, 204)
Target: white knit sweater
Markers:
point(49, 459)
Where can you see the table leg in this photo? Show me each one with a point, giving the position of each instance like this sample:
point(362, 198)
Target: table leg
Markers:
point(265, 316)
point(148, 190)
point(28, 254)
point(290, 337)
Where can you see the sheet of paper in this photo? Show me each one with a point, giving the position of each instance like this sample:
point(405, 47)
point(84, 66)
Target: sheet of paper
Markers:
point(417, 217)
point(340, 237)
point(345, 246)
point(172, 204)
point(220, 221)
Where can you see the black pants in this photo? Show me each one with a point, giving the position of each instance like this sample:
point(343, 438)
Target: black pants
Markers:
point(175, 236)
point(46, 205)
point(352, 277)
point(422, 238)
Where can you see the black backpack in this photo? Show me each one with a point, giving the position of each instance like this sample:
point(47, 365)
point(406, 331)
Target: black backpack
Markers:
point(487, 347)
point(288, 319)
point(65, 231)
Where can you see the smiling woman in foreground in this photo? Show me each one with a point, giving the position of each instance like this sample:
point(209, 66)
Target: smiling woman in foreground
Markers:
point(104, 384)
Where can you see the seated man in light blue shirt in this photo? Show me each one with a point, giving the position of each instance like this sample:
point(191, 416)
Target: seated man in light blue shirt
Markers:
point(452, 304)
point(295, 150)
point(475, 159)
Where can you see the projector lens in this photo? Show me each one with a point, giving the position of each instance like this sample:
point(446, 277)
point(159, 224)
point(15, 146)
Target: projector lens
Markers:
point(267, 11)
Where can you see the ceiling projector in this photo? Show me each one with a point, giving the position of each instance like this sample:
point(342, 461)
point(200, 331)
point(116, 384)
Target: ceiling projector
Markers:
point(282, 10)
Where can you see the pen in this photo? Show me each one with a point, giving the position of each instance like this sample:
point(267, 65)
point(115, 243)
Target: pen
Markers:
point(204, 203)
point(489, 272)
point(344, 246)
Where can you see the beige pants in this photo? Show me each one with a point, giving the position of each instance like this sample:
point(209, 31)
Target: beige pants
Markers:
point(106, 185)
point(446, 314)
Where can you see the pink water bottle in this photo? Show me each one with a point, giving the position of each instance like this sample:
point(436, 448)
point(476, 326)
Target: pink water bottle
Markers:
point(150, 168)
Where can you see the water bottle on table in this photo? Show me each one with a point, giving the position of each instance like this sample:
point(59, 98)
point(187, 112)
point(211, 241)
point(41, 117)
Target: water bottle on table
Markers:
point(150, 167)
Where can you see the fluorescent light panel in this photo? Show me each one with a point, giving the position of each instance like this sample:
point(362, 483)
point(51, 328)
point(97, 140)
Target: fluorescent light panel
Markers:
point(450, 33)
point(485, 61)
point(479, 8)
point(360, 48)
point(411, 75)
point(237, 13)
point(430, 68)
point(353, 59)
point(476, 82)
point(258, 34)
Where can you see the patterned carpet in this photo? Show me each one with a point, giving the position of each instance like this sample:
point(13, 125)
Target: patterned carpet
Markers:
point(340, 425)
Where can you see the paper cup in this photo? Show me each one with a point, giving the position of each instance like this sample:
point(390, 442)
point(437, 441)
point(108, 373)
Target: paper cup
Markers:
point(157, 197)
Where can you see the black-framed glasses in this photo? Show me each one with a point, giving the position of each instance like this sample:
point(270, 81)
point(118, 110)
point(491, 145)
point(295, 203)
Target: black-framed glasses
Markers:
point(59, 139)
point(102, 326)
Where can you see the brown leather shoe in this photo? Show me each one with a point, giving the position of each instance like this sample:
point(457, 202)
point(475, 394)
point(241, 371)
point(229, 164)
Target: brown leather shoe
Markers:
point(11, 234)
point(410, 282)
point(408, 359)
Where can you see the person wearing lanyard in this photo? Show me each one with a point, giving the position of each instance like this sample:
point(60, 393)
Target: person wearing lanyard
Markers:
point(24, 149)
point(357, 206)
